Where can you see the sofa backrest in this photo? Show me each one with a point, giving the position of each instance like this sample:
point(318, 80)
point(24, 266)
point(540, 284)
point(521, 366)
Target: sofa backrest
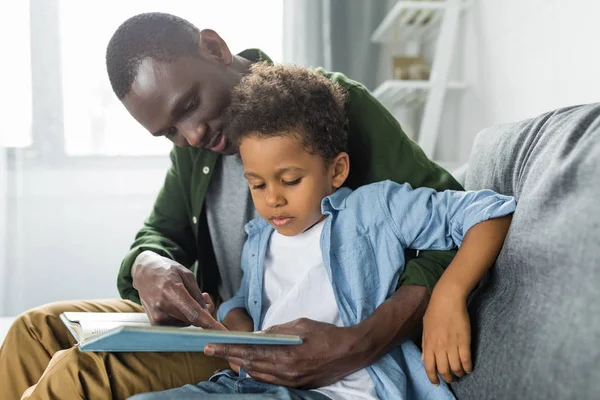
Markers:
point(536, 316)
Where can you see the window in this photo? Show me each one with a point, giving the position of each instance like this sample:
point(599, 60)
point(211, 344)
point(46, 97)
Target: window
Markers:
point(15, 77)
point(87, 118)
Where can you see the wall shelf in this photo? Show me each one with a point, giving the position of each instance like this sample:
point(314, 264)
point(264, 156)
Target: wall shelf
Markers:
point(411, 20)
point(419, 22)
point(400, 93)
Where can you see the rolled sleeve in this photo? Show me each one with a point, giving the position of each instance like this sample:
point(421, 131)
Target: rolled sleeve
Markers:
point(226, 307)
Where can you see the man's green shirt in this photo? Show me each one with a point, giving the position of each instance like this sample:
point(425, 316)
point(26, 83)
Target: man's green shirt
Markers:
point(378, 150)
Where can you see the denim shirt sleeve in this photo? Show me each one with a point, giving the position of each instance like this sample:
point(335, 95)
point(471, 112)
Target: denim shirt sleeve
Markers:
point(428, 220)
point(240, 298)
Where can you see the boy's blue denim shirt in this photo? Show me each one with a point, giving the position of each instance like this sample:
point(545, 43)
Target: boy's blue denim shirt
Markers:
point(362, 243)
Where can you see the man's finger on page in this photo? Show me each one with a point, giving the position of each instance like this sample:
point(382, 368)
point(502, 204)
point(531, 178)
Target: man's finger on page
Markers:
point(160, 317)
point(197, 315)
point(183, 306)
point(190, 283)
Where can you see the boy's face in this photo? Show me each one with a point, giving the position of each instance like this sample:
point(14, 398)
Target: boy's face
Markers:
point(287, 182)
point(183, 101)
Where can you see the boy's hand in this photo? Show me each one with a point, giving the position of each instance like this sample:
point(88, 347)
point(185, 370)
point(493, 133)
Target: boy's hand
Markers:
point(210, 304)
point(210, 307)
point(446, 336)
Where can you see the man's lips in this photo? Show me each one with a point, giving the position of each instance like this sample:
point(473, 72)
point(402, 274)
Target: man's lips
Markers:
point(281, 220)
point(217, 143)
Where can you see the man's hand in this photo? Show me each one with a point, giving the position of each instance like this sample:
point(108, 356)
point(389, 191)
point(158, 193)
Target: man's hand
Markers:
point(327, 354)
point(446, 336)
point(170, 294)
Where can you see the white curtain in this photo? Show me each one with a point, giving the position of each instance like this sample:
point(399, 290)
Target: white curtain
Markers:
point(77, 174)
point(3, 230)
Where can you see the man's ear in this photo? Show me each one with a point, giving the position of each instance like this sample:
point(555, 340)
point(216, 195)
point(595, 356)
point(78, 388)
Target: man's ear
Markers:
point(340, 169)
point(213, 46)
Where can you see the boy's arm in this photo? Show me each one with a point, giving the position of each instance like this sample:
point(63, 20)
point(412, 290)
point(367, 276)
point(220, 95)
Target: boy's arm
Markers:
point(380, 150)
point(426, 219)
point(238, 320)
point(429, 220)
point(446, 328)
point(233, 313)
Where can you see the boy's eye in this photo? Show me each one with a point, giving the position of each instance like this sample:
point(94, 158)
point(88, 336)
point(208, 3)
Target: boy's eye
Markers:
point(258, 187)
point(292, 183)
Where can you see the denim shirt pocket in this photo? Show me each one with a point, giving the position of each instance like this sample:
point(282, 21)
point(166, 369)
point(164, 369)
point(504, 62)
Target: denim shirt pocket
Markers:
point(357, 262)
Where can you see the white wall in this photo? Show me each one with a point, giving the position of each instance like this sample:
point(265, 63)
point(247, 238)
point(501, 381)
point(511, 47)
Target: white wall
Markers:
point(524, 57)
point(3, 230)
point(69, 228)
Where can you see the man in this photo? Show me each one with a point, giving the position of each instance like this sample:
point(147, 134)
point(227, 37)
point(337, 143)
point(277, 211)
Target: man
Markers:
point(176, 81)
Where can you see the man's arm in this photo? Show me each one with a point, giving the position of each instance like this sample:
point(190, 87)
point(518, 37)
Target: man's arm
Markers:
point(155, 272)
point(328, 353)
point(166, 232)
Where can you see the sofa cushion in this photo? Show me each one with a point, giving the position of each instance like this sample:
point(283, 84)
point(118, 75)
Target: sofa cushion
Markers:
point(536, 315)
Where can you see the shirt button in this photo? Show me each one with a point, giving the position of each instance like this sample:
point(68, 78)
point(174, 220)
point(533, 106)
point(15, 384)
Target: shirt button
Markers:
point(205, 170)
point(195, 220)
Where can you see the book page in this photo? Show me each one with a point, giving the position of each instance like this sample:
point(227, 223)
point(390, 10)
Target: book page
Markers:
point(91, 324)
point(93, 328)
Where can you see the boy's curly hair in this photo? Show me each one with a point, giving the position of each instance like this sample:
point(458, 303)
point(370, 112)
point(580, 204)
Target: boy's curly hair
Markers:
point(275, 100)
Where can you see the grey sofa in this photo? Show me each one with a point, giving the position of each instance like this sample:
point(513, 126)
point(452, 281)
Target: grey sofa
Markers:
point(536, 315)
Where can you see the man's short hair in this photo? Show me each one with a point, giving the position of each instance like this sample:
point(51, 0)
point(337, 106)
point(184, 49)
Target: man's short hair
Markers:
point(162, 37)
point(275, 100)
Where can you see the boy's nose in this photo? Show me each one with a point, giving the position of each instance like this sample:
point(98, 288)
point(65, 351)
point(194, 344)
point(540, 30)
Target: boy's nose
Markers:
point(274, 200)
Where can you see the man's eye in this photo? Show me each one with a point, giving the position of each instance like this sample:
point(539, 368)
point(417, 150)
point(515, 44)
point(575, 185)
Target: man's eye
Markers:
point(190, 105)
point(292, 183)
point(258, 187)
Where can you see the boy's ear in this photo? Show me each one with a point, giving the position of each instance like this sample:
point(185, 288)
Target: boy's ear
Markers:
point(213, 46)
point(340, 169)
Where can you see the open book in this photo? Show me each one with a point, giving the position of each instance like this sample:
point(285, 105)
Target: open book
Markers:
point(124, 332)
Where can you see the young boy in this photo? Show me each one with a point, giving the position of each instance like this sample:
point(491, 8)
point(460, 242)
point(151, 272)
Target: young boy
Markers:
point(324, 252)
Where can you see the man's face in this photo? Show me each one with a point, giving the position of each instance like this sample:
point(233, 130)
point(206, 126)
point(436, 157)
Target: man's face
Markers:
point(287, 182)
point(183, 100)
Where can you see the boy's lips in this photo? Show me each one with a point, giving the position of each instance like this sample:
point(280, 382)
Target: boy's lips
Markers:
point(281, 220)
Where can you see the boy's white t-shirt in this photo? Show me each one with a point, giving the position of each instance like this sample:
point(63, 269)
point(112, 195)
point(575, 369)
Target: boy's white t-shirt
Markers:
point(296, 286)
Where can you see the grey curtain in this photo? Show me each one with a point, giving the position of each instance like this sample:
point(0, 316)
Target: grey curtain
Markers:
point(334, 34)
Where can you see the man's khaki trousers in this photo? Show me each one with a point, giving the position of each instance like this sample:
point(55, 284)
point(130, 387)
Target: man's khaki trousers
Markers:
point(39, 360)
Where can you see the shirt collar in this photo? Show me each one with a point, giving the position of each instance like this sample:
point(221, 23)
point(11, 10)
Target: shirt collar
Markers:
point(335, 201)
point(255, 225)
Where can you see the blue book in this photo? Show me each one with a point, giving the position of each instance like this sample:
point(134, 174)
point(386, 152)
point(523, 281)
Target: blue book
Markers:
point(127, 332)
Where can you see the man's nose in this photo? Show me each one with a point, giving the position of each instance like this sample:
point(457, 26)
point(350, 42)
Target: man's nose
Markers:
point(194, 135)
